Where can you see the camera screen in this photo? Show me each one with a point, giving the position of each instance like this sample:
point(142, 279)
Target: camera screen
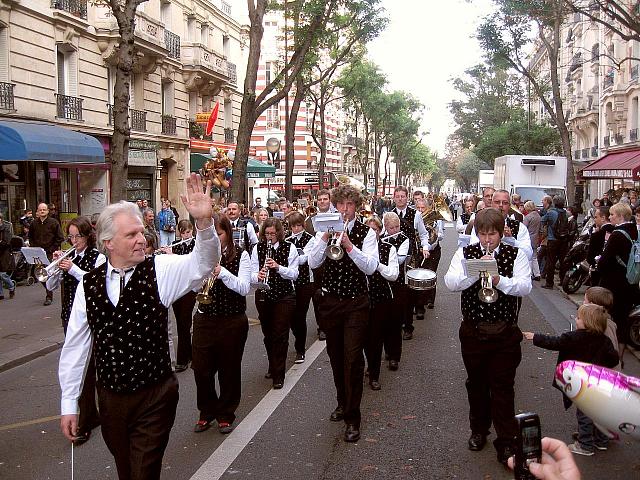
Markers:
point(530, 439)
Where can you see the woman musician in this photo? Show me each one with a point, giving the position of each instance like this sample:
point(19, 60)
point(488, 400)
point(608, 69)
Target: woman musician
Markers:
point(220, 328)
point(274, 264)
point(86, 257)
point(381, 302)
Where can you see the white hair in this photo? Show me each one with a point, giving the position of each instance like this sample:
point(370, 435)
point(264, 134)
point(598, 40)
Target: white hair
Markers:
point(105, 227)
point(390, 217)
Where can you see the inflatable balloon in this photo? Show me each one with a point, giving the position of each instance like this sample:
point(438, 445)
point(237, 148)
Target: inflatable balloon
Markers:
point(611, 399)
point(228, 174)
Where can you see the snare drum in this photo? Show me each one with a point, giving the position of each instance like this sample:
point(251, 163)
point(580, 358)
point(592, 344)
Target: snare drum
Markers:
point(421, 279)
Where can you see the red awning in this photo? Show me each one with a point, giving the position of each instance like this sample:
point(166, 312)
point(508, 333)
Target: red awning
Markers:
point(616, 165)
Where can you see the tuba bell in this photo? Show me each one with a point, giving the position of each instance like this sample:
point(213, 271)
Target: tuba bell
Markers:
point(438, 211)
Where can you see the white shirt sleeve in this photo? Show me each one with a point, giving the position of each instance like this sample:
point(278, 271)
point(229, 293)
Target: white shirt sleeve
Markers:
point(54, 281)
point(290, 272)
point(315, 251)
point(523, 240)
point(456, 278)
point(251, 233)
point(520, 283)
point(390, 272)
point(421, 230)
point(367, 258)
point(460, 227)
point(240, 284)
point(403, 251)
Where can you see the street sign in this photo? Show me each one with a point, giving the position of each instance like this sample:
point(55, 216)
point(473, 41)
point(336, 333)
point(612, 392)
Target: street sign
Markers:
point(203, 117)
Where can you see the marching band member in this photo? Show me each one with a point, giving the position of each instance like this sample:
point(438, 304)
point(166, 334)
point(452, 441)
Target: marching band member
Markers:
point(86, 258)
point(392, 329)
point(465, 216)
point(304, 284)
point(244, 232)
point(121, 311)
point(489, 334)
point(220, 329)
point(435, 251)
point(183, 307)
point(413, 227)
point(381, 302)
point(275, 263)
point(343, 304)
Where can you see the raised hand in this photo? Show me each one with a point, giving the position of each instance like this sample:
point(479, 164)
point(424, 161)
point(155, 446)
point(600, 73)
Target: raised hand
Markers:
point(198, 202)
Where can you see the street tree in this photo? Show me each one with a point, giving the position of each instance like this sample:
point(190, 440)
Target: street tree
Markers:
point(505, 37)
point(619, 16)
point(467, 166)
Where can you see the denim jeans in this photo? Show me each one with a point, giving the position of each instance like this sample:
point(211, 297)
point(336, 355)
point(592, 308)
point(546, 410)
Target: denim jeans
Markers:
point(5, 280)
point(588, 434)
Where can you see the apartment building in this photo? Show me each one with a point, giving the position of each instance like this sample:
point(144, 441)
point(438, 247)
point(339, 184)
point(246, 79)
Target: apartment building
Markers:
point(57, 73)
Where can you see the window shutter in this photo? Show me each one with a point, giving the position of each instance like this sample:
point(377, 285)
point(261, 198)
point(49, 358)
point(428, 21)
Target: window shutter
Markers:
point(72, 73)
point(62, 90)
point(4, 54)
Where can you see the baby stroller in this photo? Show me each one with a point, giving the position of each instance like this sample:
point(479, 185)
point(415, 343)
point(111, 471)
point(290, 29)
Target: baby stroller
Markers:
point(21, 273)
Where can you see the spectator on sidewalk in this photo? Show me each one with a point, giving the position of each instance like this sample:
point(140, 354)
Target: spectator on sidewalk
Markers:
point(532, 222)
point(25, 221)
point(166, 223)
point(6, 258)
point(556, 246)
point(600, 231)
point(46, 232)
point(149, 218)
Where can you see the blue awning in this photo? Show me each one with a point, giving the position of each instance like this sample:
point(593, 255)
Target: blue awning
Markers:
point(44, 142)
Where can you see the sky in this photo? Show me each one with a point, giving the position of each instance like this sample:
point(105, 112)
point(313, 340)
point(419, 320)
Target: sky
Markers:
point(425, 45)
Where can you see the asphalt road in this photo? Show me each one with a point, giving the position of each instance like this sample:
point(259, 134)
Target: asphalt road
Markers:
point(415, 427)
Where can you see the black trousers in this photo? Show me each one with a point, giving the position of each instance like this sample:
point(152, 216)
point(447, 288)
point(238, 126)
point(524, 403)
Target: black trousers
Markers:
point(218, 346)
point(491, 365)
point(318, 273)
point(183, 310)
point(136, 427)
point(275, 320)
point(392, 327)
point(379, 316)
point(556, 250)
point(89, 417)
point(299, 322)
point(432, 263)
point(345, 323)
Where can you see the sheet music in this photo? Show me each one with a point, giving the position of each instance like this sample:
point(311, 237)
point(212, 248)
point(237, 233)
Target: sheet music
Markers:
point(322, 222)
point(464, 240)
point(31, 253)
point(473, 267)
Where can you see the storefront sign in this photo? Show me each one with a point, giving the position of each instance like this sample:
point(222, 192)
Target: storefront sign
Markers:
point(142, 158)
point(143, 145)
point(606, 173)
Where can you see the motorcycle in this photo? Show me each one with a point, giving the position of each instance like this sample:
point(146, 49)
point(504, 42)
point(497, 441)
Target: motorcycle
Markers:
point(578, 270)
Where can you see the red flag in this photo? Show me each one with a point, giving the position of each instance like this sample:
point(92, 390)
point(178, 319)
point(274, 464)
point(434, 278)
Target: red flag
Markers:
point(212, 119)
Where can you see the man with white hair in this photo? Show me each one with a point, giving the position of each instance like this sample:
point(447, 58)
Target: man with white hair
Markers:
point(121, 312)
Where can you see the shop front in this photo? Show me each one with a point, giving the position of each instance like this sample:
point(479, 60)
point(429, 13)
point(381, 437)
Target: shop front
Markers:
point(619, 169)
point(142, 171)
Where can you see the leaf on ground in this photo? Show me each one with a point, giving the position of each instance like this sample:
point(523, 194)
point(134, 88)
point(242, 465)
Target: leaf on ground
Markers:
point(370, 440)
point(408, 417)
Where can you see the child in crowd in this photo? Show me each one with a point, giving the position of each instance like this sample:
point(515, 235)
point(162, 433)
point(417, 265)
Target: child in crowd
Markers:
point(587, 343)
point(603, 297)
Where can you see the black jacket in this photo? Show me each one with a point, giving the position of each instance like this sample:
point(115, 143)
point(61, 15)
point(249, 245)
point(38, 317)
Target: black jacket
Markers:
point(596, 243)
point(581, 345)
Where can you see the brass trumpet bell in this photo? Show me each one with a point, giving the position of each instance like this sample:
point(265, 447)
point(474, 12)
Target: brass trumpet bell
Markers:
point(487, 294)
point(204, 297)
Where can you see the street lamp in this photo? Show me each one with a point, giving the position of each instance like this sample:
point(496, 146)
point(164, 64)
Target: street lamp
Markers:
point(273, 157)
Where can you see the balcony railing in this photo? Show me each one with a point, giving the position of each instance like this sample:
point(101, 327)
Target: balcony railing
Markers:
point(168, 125)
point(229, 135)
point(619, 138)
point(6, 96)
point(69, 107)
point(226, 7)
point(233, 75)
point(607, 141)
point(74, 7)
point(634, 72)
point(138, 120)
point(576, 154)
point(585, 153)
point(594, 151)
point(608, 80)
point(172, 42)
point(633, 134)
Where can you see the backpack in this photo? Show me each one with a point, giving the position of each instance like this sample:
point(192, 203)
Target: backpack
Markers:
point(633, 262)
point(561, 226)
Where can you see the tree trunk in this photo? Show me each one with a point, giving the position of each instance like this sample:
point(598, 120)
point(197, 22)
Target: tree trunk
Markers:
point(323, 141)
point(290, 139)
point(376, 160)
point(365, 161)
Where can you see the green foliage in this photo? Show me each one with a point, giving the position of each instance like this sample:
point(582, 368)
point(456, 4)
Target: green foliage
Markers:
point(467, 167)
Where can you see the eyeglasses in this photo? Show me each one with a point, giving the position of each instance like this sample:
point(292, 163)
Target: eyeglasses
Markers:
point(71, 237)
point(270, 234)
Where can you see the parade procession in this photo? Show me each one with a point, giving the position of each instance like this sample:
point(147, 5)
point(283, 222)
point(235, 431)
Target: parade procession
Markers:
point(319, 239)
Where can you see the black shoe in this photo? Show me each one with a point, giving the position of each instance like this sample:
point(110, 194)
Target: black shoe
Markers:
point(536, 279)
point(548, 287)
point(375, 385)
point(430, 306)
point(47, 301)
point(278, 384)
point(321, 335)
point(419, 316)
point(477, 441)
point(299, 358)
point(337, 415)
point(81, 438)
point(180, 367)
point(352, 433)
point(268, 375)
point(393, 365)
point(407, 336)
point(12, 293)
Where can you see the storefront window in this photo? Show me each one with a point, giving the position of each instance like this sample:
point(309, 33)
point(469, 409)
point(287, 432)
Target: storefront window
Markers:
point(63, 189)
point(139, 186)
point(13, 200)
point(93, 191)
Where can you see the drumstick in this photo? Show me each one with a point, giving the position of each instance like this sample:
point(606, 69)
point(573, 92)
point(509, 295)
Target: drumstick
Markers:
point(71, 460)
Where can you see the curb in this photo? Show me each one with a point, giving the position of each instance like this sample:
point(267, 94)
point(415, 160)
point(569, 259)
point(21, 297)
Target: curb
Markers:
point(27, 353)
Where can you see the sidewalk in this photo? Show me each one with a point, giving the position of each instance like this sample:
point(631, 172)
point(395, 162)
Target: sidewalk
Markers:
point(27, 328)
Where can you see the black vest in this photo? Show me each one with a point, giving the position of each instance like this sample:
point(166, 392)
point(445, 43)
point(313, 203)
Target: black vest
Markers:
point(514, 225)
point(226, 302)
point(505, 309)
point(407, 226)
point(131, 341)
point(379, 287)
point(303, 270)
point(70, 284)
point(280, 287)
point(396, 242)
point(243, 223)
point(342, 277)
point(465, 217)
point(184, 248)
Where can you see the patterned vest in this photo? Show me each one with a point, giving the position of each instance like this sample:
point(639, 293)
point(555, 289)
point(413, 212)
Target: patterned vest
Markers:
point(70, 284)
point(396, 242)
point(514, 225)
point(505, 309)
point(379, 287)
point(184, 248)
point(303, 270)
point(131, 342)
point(407, 226)
point(225, 301)
point(280, 287)
point(465, 217)
point(342, 277)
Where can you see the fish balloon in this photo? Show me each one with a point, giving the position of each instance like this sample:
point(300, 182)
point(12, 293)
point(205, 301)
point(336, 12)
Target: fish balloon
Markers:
point(610, 398)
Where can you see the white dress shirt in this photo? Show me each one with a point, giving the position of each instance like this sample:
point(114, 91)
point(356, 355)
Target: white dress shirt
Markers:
point(518, 285)
point(390, 272)
point(53, 281)
point(366, 259)
point(418, 225)
point(240, 284)
point(522, 241)
point(303, 258)
point(288, 273)
point(176, 275)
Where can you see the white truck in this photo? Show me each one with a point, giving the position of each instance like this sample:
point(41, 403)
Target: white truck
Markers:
point(531, 176)
point(485, 179)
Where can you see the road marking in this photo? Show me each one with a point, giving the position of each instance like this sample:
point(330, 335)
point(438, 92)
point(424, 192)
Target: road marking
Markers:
point(35, 421)
point(220, 460)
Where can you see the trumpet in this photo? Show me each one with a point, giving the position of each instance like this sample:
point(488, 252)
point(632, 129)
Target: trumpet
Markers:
point(264, 284)
point(487, 294)
point(203, 296)
point(43, 273)
point(334, 250)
